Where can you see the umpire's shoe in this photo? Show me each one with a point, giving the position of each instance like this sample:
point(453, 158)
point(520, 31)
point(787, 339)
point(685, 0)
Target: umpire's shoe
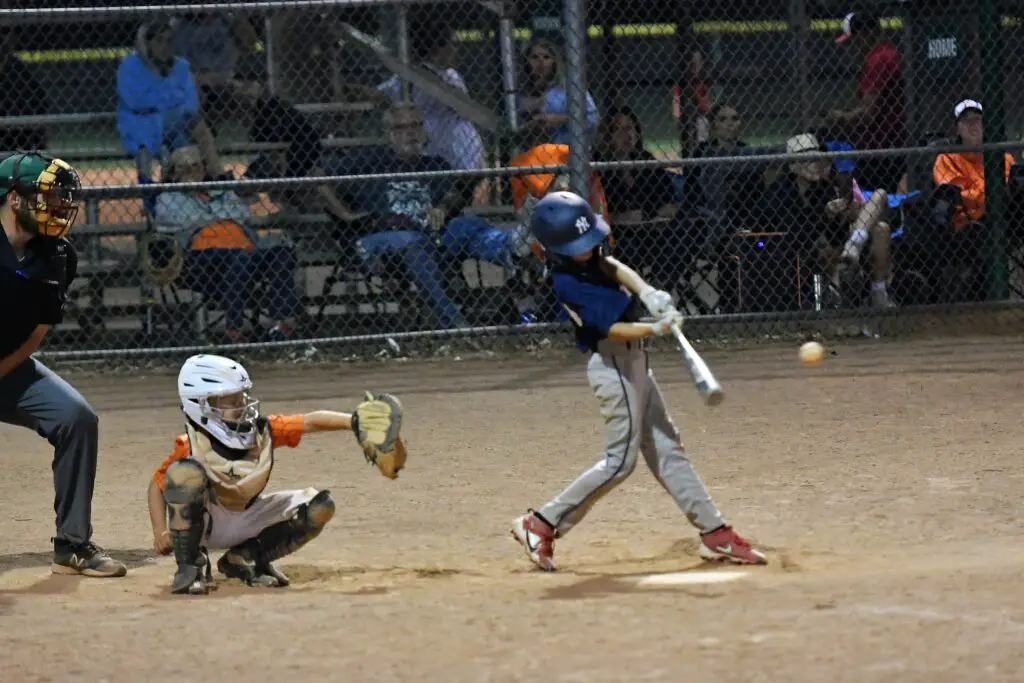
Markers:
point(87, 559)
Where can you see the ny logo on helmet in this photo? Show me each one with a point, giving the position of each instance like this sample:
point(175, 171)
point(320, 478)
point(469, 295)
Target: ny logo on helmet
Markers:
point(582, 224)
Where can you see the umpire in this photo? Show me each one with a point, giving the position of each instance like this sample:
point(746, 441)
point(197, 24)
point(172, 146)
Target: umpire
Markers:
point(37, 265)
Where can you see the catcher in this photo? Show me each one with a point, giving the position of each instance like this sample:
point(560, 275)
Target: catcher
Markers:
point(209, 493)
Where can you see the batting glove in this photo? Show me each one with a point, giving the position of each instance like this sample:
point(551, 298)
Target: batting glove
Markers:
point(656, 301)
point(671, 318)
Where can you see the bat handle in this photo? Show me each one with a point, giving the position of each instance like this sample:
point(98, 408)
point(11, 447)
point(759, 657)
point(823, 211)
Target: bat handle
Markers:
point(679, 336)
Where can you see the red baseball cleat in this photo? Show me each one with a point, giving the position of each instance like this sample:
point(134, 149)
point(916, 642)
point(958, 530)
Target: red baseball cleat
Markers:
point(724, 544)
point(537, 538)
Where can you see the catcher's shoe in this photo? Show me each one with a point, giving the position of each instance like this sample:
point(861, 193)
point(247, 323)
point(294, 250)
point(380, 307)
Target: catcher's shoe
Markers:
point(537, 538)
point(87, 559)
point(724, 544)
point(194, 579)
point(234, 566)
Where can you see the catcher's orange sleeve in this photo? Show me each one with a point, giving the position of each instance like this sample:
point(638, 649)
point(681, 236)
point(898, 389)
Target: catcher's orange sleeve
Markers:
point(182, 449)
point(287, 430)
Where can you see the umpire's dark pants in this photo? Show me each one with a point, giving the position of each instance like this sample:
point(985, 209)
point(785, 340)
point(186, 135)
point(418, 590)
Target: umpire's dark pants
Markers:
point(34, 396)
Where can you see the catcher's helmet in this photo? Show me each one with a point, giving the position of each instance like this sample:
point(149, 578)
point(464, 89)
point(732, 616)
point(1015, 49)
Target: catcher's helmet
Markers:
point(202, 382)
point(48, 186)
point(564, 224)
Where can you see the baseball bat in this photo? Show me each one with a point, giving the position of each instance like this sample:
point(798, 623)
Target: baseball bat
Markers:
point(707, 386)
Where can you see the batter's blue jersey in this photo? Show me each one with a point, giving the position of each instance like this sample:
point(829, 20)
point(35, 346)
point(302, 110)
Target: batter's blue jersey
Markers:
point(594, 303)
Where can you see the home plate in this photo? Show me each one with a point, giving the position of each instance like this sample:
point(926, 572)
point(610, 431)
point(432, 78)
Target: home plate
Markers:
point(689, 578)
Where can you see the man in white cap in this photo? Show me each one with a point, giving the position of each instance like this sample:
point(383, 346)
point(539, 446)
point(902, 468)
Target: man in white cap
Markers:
point(879, 119)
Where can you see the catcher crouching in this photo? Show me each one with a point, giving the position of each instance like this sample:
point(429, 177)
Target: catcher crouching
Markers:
point(209, 493)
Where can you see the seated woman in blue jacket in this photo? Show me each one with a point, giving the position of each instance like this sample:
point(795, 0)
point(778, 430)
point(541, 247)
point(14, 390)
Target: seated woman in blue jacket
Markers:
point(157, 104)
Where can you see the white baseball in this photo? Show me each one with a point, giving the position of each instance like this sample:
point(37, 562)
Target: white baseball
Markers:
point(812, 353)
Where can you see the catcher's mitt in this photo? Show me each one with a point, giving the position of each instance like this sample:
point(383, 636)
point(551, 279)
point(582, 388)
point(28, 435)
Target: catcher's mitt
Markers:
point(377, 423)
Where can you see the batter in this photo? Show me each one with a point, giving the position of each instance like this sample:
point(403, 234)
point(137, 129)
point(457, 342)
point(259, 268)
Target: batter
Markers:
point(38, 206)
point(600, 295)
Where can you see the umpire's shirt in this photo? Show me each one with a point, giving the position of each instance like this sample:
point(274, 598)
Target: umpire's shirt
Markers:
point(34, 286)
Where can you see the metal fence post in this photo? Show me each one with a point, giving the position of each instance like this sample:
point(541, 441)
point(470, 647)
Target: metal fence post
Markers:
point(268, 52)
point(798, 25)
point(575, 82)
point(507, 48)
point(402, 39)
point(995, 131)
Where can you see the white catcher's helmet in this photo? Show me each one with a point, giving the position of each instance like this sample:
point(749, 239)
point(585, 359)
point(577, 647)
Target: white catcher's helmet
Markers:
point(206, 377)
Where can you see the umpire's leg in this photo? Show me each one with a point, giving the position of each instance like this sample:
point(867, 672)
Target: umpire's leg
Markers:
point(34, 396)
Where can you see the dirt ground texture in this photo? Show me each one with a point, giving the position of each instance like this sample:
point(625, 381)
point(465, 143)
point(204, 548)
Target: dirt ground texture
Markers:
point(885, 487)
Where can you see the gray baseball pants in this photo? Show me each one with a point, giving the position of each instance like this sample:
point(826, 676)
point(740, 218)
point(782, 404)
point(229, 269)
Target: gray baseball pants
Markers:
point(636, 421)
point(34, 396)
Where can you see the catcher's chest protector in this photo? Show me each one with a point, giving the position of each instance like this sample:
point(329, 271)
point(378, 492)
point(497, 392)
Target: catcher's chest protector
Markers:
point(234, 482)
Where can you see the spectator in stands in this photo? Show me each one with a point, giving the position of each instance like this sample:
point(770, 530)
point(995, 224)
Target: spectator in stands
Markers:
point(728, 198)
point(309, 58)
point(277, 121)
point(966, 171)
point(634, 195)
point(959, 200)
point(449, 135)
point(225, 258)
point(158, 106)
point(20, 95)
point(698, 90)
point(833, 221)
point(879, 119)
point(543, 100)
point(212, 42)
point(410, 215)
point(527, 190)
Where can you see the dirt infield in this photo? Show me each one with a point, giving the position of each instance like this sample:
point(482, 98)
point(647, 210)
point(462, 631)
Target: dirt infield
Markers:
point(885, 486)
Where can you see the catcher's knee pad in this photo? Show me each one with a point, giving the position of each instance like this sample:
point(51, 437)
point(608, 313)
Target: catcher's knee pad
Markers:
point(284, 538)
point(185, 485)
point(319, 511)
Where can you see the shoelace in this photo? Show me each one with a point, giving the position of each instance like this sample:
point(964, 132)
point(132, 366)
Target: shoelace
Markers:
point(92, 549)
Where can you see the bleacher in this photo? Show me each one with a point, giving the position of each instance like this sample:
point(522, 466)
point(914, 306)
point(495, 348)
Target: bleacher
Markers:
point(114, 293)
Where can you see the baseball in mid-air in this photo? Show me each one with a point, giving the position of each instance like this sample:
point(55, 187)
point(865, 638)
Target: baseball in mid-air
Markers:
point(811, 354)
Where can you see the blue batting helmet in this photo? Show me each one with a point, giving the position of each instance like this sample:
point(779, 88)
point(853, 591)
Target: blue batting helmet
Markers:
point(564, 224)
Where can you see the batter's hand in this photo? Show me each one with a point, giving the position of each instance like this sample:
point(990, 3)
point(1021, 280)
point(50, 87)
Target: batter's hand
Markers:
point(656, 301)
point(162, 542)
point(664, 324)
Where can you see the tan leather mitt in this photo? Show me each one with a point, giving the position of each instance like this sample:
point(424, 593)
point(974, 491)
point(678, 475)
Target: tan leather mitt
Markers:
point(377, 425)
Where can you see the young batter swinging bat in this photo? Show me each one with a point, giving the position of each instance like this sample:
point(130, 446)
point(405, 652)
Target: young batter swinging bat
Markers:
point(707, 386)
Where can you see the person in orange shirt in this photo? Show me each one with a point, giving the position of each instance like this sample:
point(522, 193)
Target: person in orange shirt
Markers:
point(966, 171)
point(209, 492)
point(527, 190)
point(224, 257)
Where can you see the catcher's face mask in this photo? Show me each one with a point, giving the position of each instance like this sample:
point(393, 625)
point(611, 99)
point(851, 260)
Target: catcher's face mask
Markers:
point(237, 414)
point(48, 206)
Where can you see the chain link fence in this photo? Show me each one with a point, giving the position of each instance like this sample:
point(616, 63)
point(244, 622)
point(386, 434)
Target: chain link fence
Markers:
point(284, 173)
